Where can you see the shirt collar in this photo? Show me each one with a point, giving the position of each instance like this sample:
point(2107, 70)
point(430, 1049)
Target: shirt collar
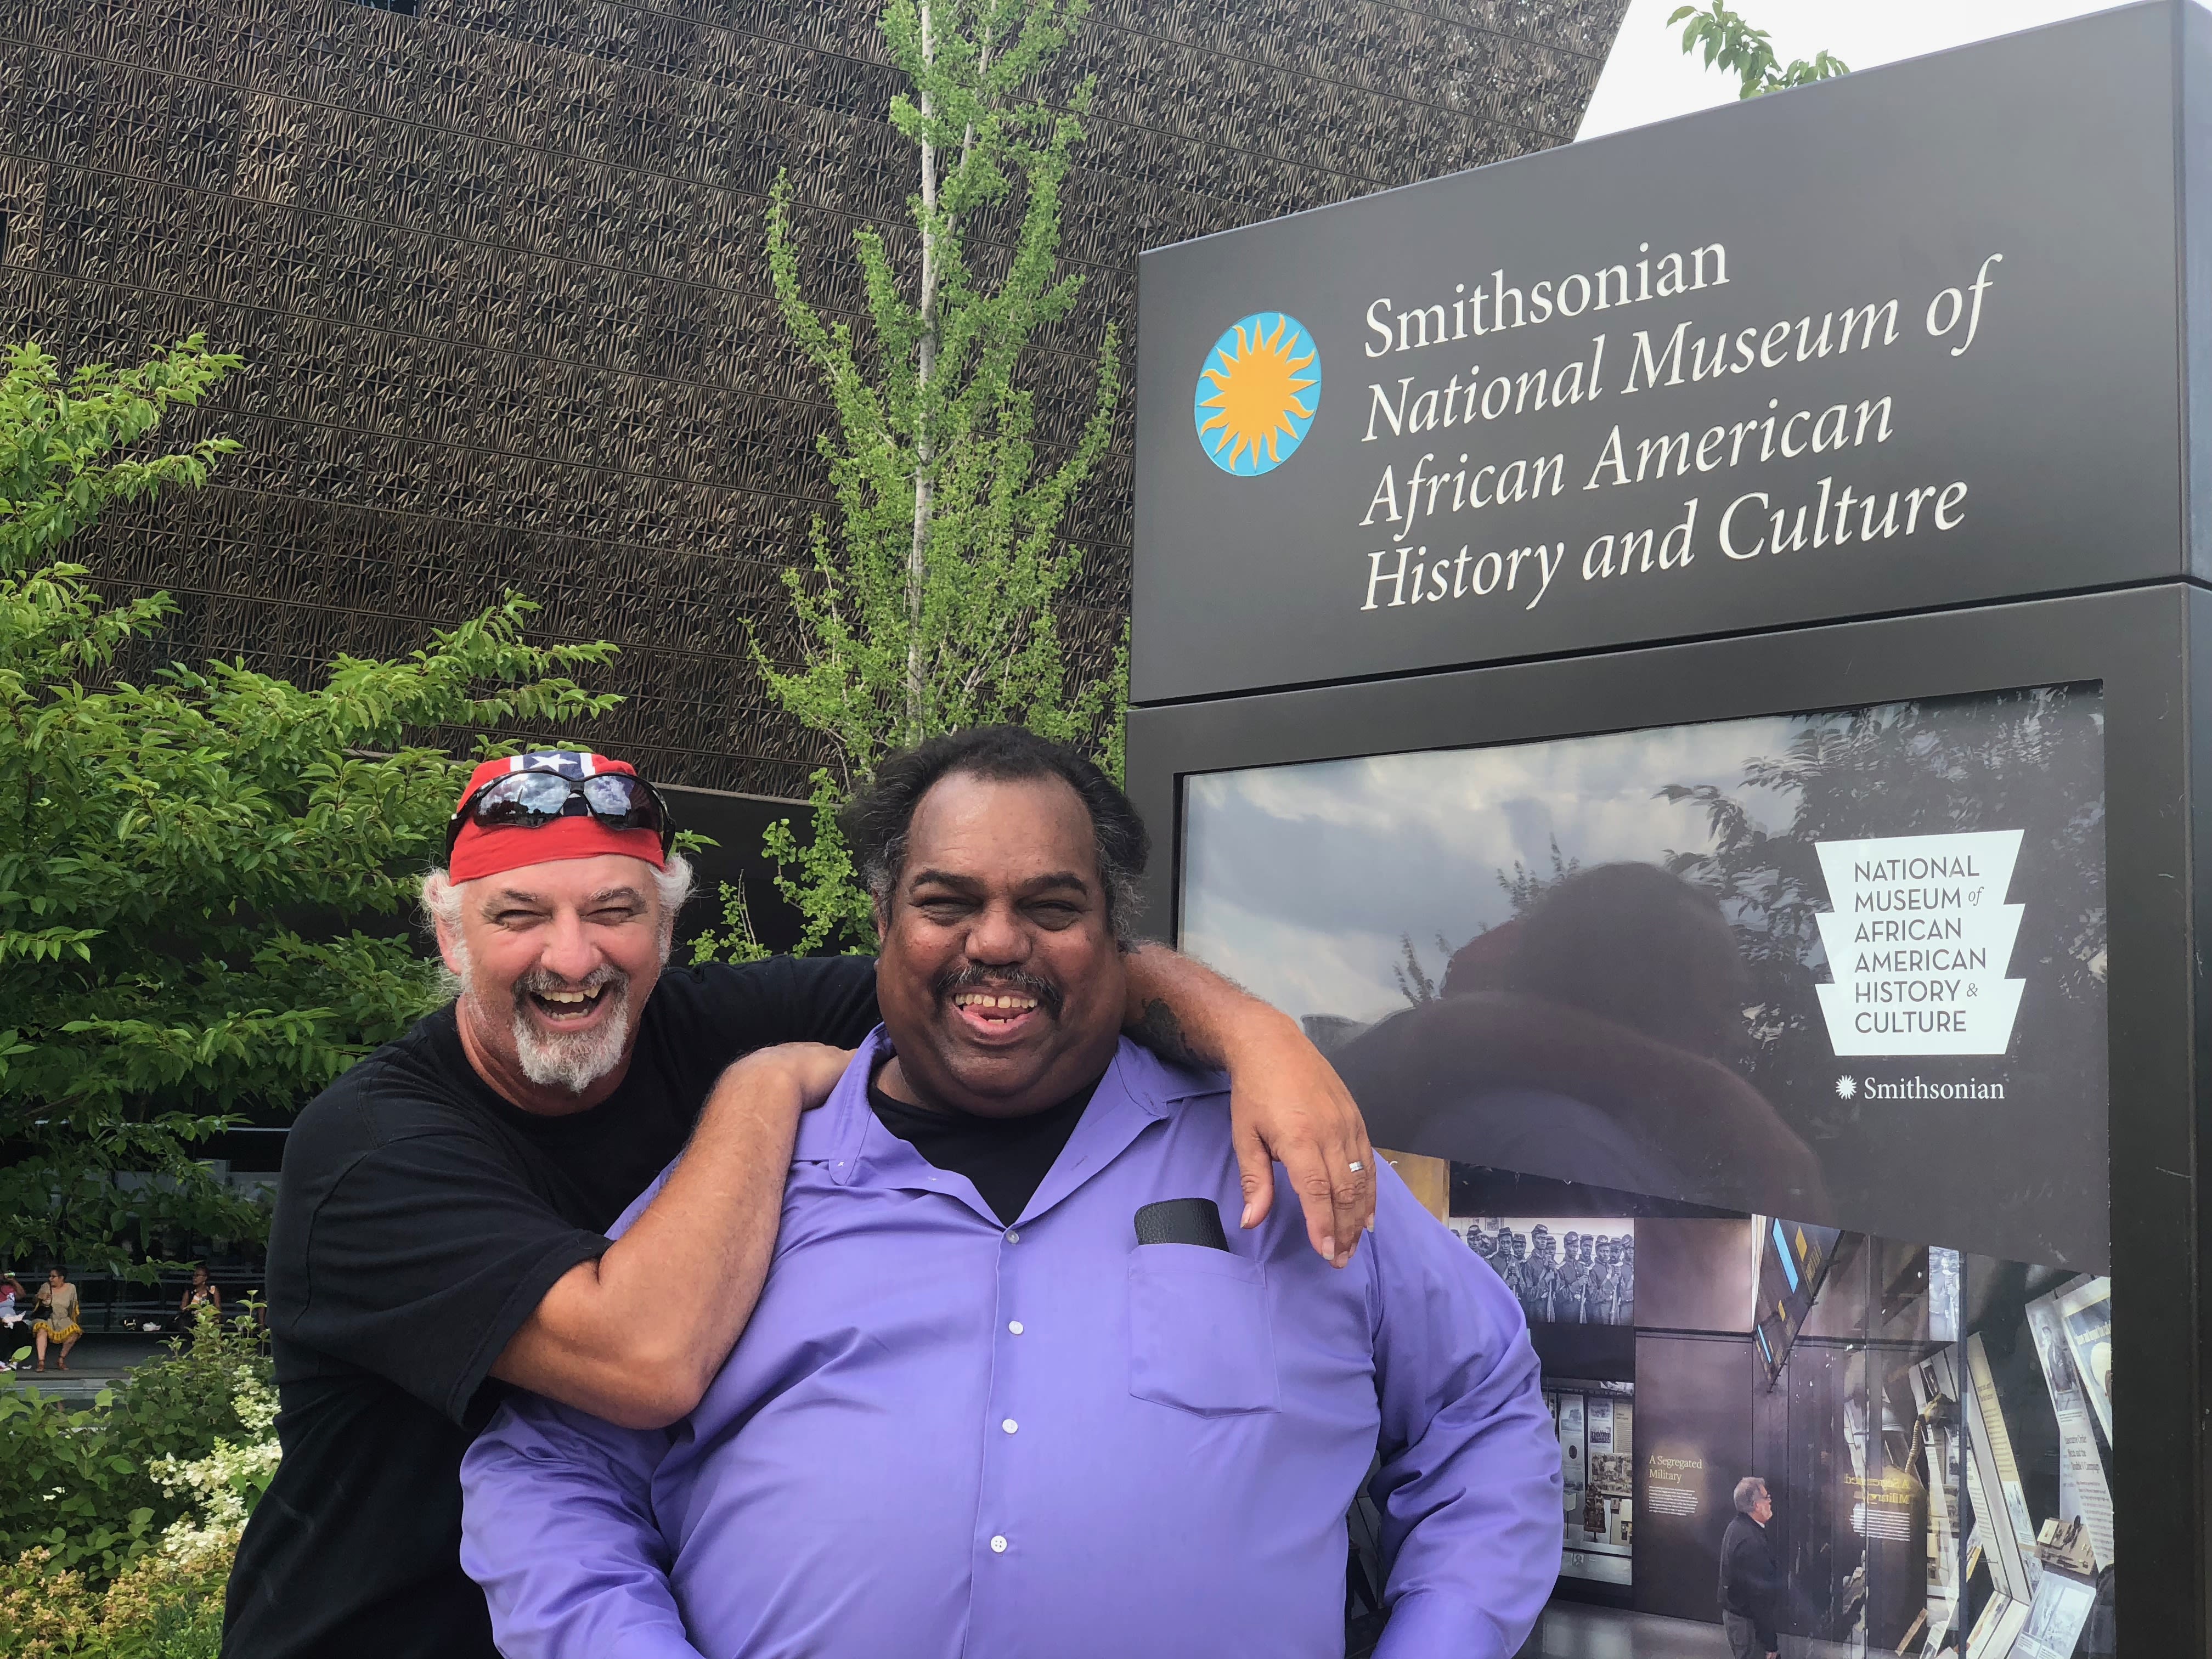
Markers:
point(844, 1135)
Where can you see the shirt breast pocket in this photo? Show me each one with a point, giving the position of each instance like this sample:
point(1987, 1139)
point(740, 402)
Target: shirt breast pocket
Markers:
point(1199, 1334)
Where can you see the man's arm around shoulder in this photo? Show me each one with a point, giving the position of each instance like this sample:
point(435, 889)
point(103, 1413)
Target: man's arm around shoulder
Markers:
point(1287, 1105)
point(636, 1335)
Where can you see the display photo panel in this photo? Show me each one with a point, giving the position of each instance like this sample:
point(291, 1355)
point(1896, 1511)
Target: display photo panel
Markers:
point(1765, 1061)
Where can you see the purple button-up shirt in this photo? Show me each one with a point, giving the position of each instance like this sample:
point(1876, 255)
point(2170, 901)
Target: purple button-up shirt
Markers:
point(942, 1436)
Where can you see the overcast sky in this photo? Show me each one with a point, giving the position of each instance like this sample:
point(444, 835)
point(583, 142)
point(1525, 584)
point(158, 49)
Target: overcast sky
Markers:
point(1647, 77)
point(1299, 881)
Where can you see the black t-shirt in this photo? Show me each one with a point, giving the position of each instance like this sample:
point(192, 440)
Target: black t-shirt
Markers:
point(1007, 1157)
point(420, 1219)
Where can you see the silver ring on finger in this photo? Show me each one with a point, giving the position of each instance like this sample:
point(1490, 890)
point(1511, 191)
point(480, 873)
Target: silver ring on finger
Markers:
point(1355, 1166)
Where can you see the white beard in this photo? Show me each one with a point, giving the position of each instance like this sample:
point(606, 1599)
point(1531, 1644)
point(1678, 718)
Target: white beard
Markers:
point(569, 1061)
point(574, 1060)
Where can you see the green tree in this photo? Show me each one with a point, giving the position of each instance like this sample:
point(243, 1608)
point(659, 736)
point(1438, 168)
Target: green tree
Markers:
point(1414, 984)
point(187, 865)
point(934, 603)
point(1733, 47)
point(1525, 886)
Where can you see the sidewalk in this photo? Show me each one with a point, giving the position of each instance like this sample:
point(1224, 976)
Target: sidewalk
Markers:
point(97, 1362)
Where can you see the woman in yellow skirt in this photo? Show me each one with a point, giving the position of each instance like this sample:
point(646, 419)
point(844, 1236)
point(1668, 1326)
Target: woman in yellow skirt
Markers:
point(57, 1319)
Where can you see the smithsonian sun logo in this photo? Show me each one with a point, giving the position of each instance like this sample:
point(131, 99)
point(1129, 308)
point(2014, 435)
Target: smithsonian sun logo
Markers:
point(1257, 393)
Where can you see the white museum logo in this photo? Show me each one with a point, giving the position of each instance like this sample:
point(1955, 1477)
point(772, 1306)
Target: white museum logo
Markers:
point(1918, 938)
point(1916, 1088)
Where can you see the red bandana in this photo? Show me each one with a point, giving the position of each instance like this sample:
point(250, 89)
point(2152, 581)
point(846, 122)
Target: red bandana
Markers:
point(481, 852)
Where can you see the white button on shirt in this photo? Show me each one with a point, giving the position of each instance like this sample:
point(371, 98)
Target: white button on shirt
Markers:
point(999, 1545)
point(1015, 1325)
point(1010, 1425)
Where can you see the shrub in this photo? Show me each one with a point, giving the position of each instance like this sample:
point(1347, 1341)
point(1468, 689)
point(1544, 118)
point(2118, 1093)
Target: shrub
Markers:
point(97, 1490)
point(118, 1531)
point(164, 1606)
point(44, 1608)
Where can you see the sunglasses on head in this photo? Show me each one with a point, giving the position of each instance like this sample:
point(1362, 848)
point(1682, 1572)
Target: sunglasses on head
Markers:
point(530, 801)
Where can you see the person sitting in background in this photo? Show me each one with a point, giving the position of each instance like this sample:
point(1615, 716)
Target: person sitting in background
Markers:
point(200, 1293)
point(1010, 1388)
point(57, 1322)
point(11, 1317)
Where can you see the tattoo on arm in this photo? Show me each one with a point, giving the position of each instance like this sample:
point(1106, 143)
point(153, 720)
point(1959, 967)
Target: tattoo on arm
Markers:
point(1160, 1031)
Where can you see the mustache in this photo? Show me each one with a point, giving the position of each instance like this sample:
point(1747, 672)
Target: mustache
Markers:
point(954, 981)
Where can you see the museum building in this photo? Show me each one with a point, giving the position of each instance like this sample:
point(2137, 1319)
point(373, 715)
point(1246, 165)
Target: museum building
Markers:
point(498, 272)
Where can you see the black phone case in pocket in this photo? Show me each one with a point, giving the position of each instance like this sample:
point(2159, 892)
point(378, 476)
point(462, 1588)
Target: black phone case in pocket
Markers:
point(1181, 1221)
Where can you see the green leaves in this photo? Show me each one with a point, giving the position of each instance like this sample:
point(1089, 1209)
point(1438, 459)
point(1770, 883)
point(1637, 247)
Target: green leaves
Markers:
point(737, 942)
point(206, 878)
point(933, 602)
point(86, 1485)
point(59, 436)
point(1733, 46)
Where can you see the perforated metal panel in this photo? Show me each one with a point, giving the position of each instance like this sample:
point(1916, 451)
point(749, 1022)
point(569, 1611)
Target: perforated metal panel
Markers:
point(497, 270)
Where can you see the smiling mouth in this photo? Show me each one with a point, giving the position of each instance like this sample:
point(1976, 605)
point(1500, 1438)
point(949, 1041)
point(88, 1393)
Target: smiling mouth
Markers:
point(567, 1007)
point(994, 1007)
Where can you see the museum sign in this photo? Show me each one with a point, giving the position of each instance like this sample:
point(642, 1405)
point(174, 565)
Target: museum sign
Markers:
point(1898, 342)
point(1680, 661)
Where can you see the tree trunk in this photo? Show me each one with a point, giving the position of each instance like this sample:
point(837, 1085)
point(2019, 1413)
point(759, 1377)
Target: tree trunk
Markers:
point(917, 567)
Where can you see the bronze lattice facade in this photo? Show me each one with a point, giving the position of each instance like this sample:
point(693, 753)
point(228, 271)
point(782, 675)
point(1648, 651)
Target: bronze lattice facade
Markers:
point(497, 271)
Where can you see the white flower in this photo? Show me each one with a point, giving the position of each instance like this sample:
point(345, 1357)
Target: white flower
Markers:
point(255, 1402)
point(218, 1485)
point(189, 1546)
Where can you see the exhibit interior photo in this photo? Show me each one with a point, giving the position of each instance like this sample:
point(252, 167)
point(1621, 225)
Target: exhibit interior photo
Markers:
point(1873, 1437)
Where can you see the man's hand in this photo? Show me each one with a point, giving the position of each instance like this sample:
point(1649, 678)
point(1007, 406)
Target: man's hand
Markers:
point(1287, 1103)
point(1287, 1106)
point(813, 1069)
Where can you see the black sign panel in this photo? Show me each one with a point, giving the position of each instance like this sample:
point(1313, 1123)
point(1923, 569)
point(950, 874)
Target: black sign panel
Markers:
point(1692, 1445)
point(1906, 340)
